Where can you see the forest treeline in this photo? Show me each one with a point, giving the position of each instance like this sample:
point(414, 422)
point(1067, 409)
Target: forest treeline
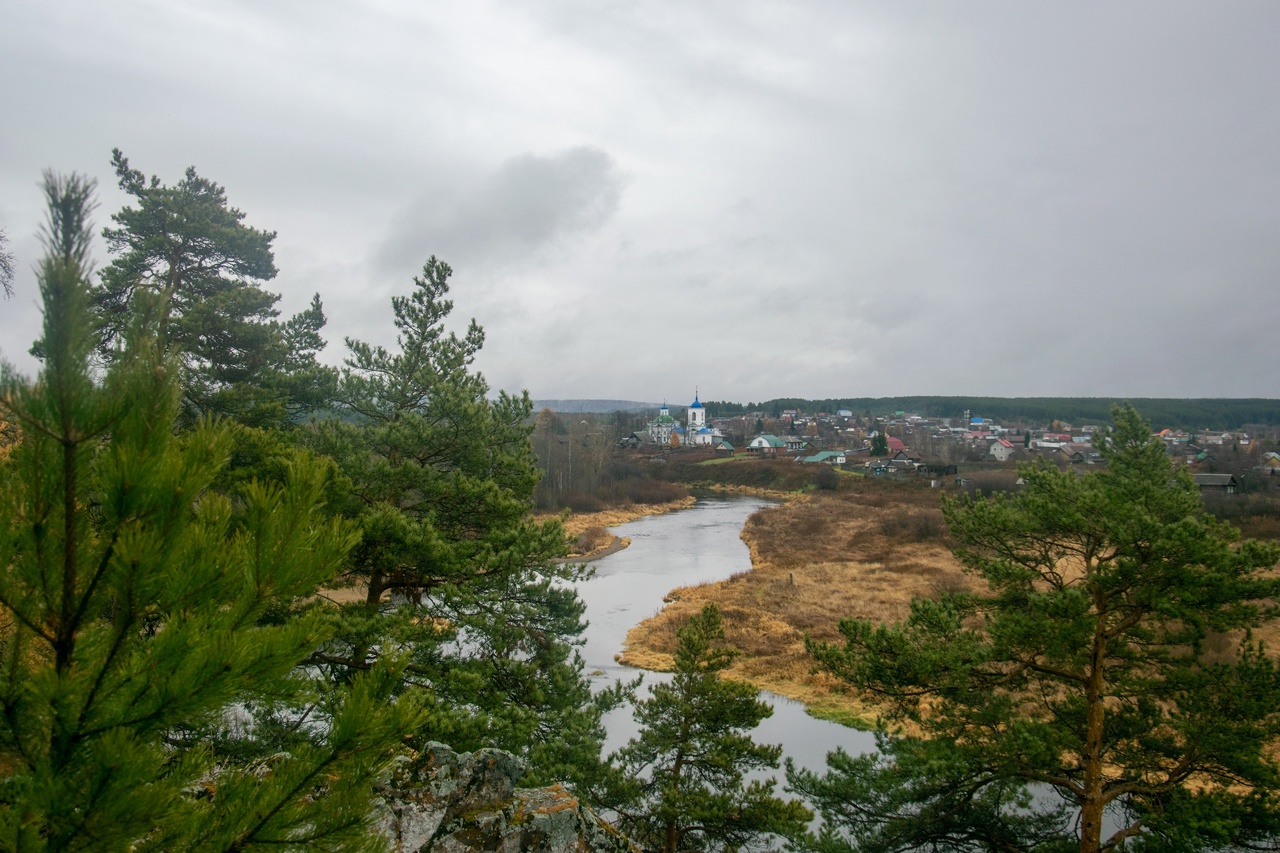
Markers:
point(238, 587)
point(1163, 412)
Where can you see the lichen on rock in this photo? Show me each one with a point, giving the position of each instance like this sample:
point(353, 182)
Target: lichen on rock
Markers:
point(445, 802)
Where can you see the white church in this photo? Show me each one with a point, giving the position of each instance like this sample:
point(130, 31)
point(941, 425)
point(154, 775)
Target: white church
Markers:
point(695, 432)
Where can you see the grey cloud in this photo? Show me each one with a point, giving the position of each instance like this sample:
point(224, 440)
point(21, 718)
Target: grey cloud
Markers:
point(531, 203)
point(824, 199)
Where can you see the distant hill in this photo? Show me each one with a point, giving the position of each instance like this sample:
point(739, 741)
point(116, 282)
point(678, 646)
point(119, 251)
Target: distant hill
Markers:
point(598, 407)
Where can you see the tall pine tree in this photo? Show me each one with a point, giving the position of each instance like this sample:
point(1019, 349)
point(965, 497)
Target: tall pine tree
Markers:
point(1110, 662)
point(453, 565)
point(136, 611)
point(683, 783)
point(182, 253)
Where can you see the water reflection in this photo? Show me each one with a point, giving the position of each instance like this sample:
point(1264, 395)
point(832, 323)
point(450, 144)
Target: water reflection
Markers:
point(682, 548)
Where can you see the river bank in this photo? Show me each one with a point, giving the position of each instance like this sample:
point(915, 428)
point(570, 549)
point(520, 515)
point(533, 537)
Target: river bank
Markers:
point(592, 530)
point(863, 552)
point(701, 543)
point(820, 558)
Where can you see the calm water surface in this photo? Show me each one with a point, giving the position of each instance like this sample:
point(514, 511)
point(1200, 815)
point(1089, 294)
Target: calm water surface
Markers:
point(681, 548)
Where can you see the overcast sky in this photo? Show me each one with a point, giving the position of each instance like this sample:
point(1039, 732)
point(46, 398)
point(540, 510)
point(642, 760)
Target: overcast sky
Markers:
point(800, 199)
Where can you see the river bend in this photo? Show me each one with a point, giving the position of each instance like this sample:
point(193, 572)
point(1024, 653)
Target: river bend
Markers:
point(681, 548)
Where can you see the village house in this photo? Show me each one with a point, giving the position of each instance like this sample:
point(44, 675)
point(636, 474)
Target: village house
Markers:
point(830, 457)
point(902, 461)
point(794, 443)
point(1079, 453)
point(1220, 483)
point(766, 445)
point(1002, 449)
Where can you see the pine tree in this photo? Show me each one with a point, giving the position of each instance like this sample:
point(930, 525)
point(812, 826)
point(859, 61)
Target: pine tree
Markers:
point(8, 266)
point(185, 255)
point(136, 611)
point(454, 566)
point(1093, 666)
point(879, 444)
point(683, 785)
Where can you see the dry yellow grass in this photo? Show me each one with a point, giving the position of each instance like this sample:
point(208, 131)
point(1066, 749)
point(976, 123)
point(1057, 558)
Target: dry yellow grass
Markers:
point(578, 522)
point(590, 529)
point(819, 559)
point(816, 560)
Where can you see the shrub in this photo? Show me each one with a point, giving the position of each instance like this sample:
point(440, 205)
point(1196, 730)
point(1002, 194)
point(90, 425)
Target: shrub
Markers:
point(591, 539)
point(826, 478)
point(918, 526)
point(644, 491)
point(926, 526)
point(985, 483)
point(583, 502)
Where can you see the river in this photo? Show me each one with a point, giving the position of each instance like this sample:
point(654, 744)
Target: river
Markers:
point(681, 548)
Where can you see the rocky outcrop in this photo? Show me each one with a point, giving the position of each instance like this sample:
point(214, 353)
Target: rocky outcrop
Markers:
point(447, 802)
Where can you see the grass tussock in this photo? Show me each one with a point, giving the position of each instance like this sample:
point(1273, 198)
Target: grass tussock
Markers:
point(592, 539)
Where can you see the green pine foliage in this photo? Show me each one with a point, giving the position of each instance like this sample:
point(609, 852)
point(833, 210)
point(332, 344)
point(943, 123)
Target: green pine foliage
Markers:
point(455, 568)
point(1109, 665)
point(185, 257)
point(683, 783)
point(8, 266)
point(136, 611)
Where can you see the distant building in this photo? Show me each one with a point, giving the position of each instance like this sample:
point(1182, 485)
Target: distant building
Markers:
point(1002, 449)
point(695, 432)
point(1221, 483)
point(660, 428)
point(830, 457)
point(766, 445)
